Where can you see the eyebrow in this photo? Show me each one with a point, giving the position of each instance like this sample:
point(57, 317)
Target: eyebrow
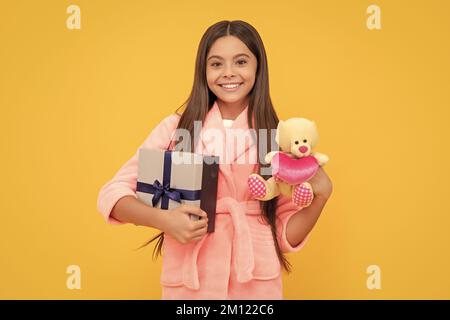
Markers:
point(238, 55)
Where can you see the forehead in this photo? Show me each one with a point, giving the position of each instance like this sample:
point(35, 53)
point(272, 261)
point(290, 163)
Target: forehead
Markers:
point(227, 47)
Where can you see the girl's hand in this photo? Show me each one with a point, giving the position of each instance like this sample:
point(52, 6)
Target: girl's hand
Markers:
point(181, 227)
point(321, 184)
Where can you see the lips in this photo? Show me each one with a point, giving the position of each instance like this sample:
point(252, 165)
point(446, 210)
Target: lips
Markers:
point(231, 86)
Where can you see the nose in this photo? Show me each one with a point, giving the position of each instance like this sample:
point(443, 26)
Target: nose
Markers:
point(229, 71)
point(303, 149)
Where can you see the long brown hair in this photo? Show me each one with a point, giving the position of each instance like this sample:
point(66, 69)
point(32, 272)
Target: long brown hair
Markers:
point(260, 107)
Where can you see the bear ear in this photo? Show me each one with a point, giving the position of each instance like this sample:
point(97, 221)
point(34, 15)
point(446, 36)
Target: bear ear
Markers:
point(279, 128)
point(277, 134)
point(313, 124)
point(315, 139)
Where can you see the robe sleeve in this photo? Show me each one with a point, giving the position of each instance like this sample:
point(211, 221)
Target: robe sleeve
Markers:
point(124, 181)
point(285, 210)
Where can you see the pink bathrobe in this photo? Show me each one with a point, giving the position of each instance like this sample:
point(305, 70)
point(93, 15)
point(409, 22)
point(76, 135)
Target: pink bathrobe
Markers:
point(238, 260)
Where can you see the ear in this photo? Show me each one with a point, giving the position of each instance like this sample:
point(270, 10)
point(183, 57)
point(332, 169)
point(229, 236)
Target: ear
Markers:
point(280, 124)
point(316, 134)
point(279, 127)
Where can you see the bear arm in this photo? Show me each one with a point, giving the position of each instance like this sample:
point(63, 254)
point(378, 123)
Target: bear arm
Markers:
point(321, 158)
point(269, 156)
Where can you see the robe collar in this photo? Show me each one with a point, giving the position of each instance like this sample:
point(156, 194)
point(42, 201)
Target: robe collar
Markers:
point(214, 121)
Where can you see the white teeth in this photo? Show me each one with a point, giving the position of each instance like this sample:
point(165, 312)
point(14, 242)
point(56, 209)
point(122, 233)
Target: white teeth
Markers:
point(230, 86)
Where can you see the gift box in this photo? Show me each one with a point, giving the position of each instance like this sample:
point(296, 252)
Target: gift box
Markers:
point(167, 179)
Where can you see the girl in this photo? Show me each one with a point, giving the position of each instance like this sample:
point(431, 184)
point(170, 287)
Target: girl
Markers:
point(243, 258)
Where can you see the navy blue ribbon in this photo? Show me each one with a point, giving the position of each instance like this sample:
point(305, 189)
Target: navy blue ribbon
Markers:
point(163, 191)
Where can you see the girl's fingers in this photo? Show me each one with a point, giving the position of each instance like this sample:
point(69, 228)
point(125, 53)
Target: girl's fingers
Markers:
point(198, 238)
point(199, 224)
point(200, 232)
point(194, 210)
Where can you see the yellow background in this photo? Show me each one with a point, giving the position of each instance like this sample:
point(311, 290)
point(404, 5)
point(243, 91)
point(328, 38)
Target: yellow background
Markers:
point(75, 105)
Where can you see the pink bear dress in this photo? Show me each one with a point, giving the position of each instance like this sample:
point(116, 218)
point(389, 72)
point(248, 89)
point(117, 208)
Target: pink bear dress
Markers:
point(238, 260)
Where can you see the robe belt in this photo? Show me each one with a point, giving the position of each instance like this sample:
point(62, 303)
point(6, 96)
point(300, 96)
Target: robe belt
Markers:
point(244, 261)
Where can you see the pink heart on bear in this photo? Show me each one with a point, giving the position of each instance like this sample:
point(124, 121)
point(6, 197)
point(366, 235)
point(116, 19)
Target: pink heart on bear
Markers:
point(293, 171)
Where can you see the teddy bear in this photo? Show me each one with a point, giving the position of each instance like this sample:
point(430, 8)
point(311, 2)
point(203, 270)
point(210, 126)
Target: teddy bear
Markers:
point(293, 165)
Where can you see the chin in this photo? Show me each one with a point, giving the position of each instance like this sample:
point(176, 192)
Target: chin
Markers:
point(228, 100)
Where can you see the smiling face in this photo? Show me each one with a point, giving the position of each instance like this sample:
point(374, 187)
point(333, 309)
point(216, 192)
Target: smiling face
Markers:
point(230, 70)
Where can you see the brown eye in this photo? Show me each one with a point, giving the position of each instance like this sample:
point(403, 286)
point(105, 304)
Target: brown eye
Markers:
point(296, 142)
point(305, 141)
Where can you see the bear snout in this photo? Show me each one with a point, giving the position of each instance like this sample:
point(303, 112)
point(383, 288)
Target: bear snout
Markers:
point(303, 149)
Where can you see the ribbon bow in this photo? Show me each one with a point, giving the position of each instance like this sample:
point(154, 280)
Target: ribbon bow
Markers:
point(164, 190)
